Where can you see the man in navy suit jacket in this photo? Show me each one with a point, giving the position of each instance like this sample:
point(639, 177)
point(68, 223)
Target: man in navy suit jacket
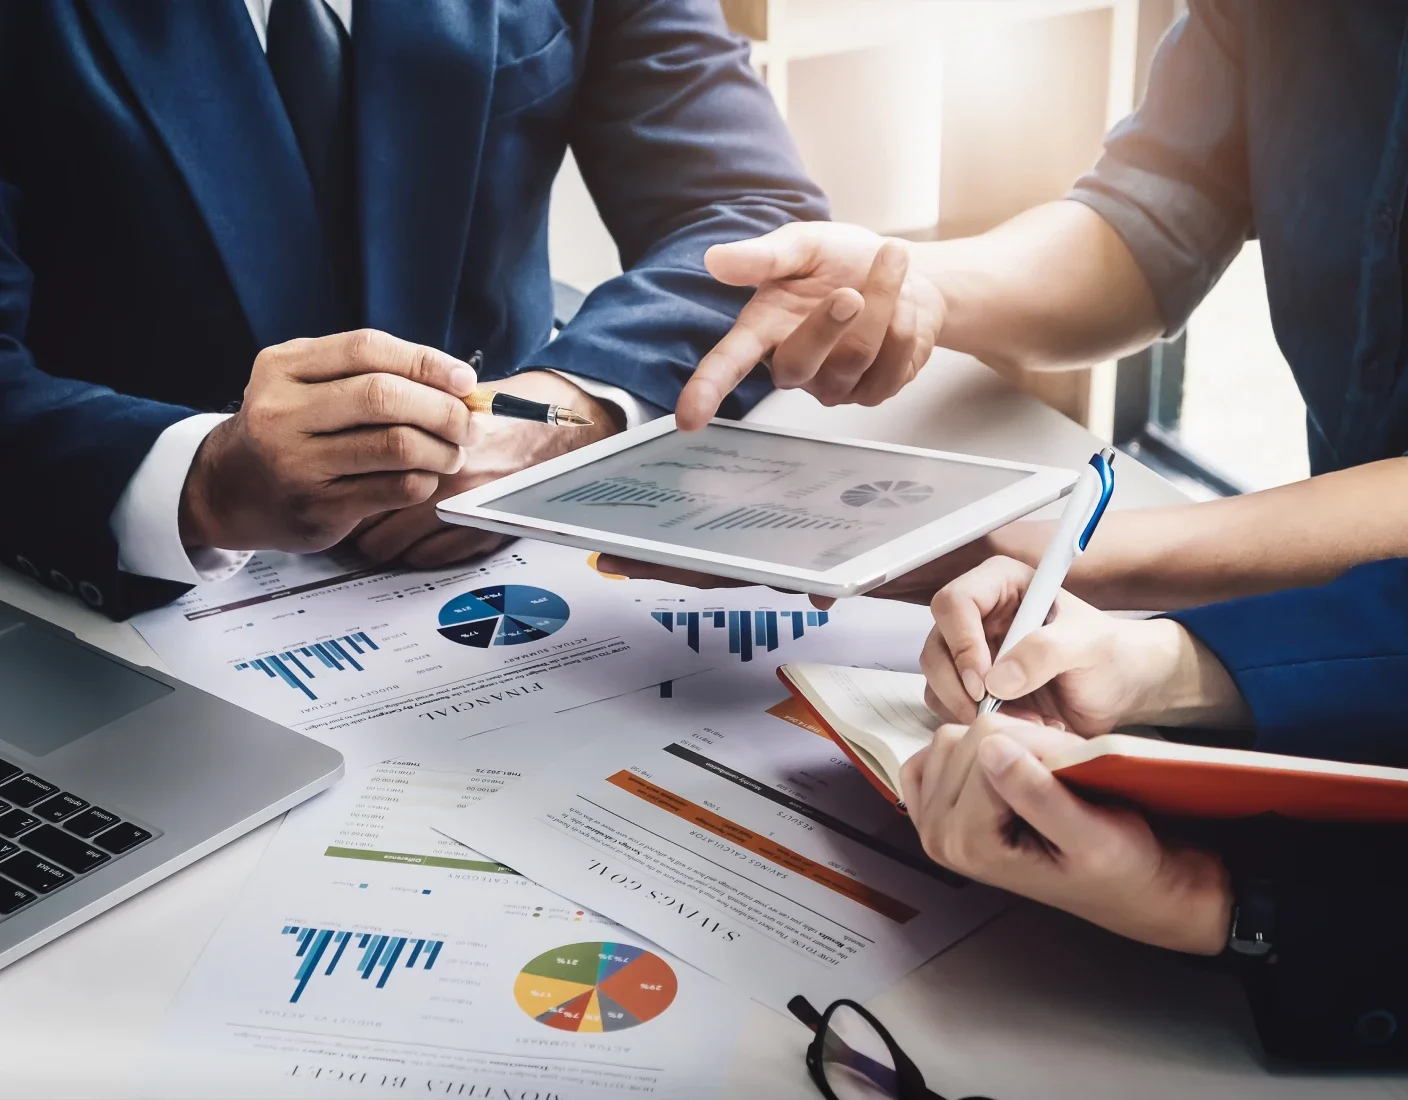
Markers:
point(165, 218)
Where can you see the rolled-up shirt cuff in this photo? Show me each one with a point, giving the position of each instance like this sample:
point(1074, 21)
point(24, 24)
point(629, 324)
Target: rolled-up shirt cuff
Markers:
point(1179, 236)
point(634, 411)
point(146, 521)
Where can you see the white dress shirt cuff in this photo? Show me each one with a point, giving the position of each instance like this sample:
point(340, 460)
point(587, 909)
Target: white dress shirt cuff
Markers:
point(633, 410)
point(146, 521)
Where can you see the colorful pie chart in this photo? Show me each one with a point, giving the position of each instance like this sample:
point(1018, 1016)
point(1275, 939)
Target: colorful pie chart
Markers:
point(510, 614)
point(595, 987)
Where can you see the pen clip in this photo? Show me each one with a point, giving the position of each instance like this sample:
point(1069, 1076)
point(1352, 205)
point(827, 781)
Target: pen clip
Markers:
point(1103, 465)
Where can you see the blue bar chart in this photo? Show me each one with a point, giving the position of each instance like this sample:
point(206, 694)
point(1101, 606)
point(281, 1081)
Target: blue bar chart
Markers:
point(298, 666)
point(379, 954)
point(748, 631)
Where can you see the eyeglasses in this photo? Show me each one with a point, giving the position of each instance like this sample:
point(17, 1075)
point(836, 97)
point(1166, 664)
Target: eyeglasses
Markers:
point(853, 1057)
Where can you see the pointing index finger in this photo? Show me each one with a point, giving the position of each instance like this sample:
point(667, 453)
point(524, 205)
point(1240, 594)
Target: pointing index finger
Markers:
point(732, 359)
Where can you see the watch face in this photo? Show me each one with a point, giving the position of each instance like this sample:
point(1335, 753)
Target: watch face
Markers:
point(1253, 922)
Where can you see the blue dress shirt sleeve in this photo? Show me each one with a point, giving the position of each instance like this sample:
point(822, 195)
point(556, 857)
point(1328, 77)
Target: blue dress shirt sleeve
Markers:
point(1324, 670)
point(1173, 179)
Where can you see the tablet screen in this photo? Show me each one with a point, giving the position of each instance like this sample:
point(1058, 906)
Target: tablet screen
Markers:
point(801, 503)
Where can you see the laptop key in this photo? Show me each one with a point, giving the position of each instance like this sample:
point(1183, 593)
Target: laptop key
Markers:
point(60, 806)
point(53, 843)
point(26, 790)
point(7, 849)
point(13, 898)
point(90, 822)
point(16, 823)
point(121, 838)
point(34, 873)
point(8, 770)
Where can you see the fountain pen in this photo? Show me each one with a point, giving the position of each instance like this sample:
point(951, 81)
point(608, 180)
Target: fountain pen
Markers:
point(496, 403)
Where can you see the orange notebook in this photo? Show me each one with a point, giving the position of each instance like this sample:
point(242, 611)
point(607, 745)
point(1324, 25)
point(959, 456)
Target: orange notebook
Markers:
point(879, 720)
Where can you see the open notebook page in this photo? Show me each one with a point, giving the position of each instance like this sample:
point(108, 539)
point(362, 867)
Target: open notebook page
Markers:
point(880, 710)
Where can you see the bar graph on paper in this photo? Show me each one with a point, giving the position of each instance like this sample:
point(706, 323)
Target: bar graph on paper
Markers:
point(300, 666)
point(377, 956)
point(749, 632)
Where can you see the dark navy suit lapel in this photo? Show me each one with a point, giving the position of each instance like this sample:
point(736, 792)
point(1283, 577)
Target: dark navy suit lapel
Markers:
point(424, 73)
point(198, 72)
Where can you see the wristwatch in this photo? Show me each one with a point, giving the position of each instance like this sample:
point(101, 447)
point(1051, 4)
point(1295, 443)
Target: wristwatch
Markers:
point(1252, 934)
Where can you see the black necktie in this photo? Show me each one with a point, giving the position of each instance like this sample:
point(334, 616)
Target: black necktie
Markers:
point(309, 55)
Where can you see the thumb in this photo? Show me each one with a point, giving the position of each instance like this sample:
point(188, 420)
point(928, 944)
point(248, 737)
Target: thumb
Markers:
point(782, 254)
point(1035, 795)
point(1039, 658)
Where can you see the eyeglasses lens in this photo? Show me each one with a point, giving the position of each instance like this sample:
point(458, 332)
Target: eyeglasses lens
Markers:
point(857, 1063)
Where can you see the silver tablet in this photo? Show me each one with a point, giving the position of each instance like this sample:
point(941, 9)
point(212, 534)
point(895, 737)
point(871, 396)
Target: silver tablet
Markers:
point(766, 505)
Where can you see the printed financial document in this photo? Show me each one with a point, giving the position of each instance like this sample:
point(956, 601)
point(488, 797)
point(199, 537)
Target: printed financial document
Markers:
point(369, 957)
point(720, 822)
point(361, 658)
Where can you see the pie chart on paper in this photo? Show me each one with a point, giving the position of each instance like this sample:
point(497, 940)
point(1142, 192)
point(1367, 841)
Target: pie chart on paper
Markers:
point(595, 987)
point(509, 614)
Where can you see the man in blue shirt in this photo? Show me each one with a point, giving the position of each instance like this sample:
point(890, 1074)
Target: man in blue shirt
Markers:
point(1288, 121)
point(1313, 672)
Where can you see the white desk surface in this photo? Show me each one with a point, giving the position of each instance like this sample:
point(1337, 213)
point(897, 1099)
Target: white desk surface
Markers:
point(1034, 1006)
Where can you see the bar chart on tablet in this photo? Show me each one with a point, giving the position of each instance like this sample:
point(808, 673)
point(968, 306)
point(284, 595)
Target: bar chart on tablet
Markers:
point(629, 492)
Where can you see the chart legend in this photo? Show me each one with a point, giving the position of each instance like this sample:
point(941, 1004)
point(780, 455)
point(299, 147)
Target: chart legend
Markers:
point(748, 631)
point(298, 667)
point(595, 987)
point(380, 955)
point(509, 614)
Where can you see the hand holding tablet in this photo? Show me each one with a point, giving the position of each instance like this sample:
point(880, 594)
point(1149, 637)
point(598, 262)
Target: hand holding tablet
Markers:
point(762, 505)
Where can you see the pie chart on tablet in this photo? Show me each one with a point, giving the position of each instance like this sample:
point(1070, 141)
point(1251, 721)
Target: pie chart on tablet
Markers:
point(509, 614)
point(887, 494)
point(595, 987)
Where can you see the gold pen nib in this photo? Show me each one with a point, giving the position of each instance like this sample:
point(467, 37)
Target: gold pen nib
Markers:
point(566, 418)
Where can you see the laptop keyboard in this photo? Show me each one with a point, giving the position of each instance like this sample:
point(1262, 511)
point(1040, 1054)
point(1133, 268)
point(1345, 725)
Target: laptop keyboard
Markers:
point(51, 837)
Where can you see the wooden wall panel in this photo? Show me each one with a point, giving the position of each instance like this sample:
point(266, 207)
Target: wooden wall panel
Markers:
point(748, 17)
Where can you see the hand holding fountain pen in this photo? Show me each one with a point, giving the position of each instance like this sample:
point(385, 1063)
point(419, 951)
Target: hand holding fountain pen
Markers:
point(494, 403)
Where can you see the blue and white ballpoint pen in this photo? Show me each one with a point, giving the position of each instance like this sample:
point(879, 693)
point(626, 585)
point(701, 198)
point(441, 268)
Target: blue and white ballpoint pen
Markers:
point(1078, 523)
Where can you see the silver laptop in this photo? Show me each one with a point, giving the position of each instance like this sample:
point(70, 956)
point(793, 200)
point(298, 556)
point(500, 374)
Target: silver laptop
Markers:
point(113, 776)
